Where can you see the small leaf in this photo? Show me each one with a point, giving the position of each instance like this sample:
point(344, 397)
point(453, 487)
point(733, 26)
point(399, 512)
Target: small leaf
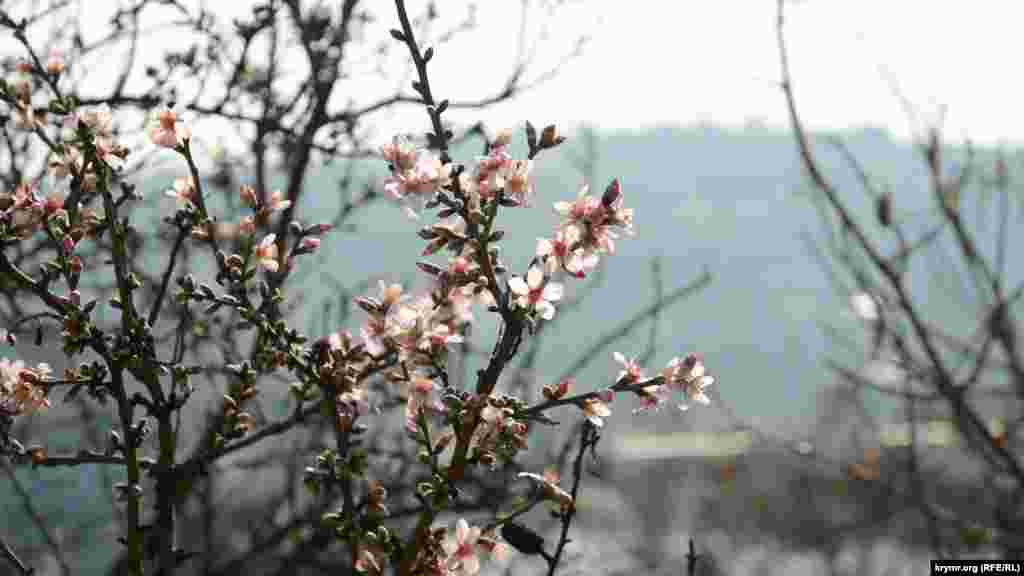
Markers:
point(397, 35)
point(428, 54)
point(442, 106)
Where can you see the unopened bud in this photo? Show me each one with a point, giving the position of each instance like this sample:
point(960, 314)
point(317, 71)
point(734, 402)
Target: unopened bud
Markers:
point(503, 138)
point(317, 230)
point(611, 194)
point(56, 63)
point(430, 268)
point(309, 245)
point(550, 137)
point(38, 454)
point(248, 196)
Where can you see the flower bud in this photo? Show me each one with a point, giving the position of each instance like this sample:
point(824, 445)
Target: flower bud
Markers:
point(56, 62)
point(430, 268)
point(248, 196)
point(247, 226)
point(612, 194)
point(550, 137)
point(503, 138)
point(317, 229)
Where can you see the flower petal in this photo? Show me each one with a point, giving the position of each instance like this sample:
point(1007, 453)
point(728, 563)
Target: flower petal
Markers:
point(553, 291)
point(518, 286)
point(534, 277)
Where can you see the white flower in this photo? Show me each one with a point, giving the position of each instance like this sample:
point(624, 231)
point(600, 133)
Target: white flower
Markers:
point(536, 294)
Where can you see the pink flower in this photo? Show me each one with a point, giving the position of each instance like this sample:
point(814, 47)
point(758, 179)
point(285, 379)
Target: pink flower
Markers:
point(278, 202)
point(536, 294)
point(266, 253)
point(247, 226)
point(689, 376)
point(248, 195)
point(438, 337)
point(401, 153)
point(560, 253)
point(631, 372)
point(461, 551)
point(652, 397)
point(517, 181)
point(367, 563)
point(580, 209)
point(99, 119)
point(419, 397)
point(166, 131)
point(183, 191)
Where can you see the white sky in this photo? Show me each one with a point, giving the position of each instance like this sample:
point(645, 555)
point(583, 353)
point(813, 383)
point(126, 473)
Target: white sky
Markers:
point(680, 62)
point(684, 61)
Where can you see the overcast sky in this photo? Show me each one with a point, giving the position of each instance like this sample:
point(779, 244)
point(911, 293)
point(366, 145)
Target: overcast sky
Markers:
point(688, 61)
point(656, 62)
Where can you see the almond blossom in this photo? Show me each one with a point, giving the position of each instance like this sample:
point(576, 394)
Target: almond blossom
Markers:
point(689, 376)
point(461, 550)
point(517, 181)
point(560, 252)
point(20, 392)
point(266, 253)
point(535, 293)
point(167, 131)
point(420, 396)
point(278, 202)
point(183, 191)
point(631, 372)
point(416, 174)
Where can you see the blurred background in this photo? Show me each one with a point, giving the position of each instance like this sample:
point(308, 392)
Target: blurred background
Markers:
point(813, 457)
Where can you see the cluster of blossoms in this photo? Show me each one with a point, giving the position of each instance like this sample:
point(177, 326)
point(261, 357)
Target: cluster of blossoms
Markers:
point(588, 229)
point(499, 435)
point(455, 552)
point(21, 389)
point(24, 211)
point(21, 86)
point(687, 375)
point(419, 330)
point(341, 363)
point(416, 174)
point(499, 172)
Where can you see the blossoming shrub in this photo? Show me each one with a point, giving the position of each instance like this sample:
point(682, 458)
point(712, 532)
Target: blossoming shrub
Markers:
point(403, 343)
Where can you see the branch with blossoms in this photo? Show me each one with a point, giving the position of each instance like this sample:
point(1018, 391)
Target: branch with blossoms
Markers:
point(339, 381)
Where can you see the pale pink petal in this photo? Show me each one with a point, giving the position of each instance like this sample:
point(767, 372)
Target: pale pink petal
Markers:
point(553, 291)
point(534, 277)
point(518, 286)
